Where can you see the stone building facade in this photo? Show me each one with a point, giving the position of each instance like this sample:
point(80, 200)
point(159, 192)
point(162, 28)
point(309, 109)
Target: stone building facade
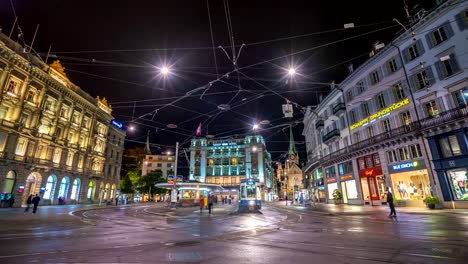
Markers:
point(53, 135)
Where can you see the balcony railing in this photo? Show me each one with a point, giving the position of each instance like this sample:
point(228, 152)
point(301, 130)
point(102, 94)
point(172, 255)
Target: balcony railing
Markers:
point(339, 108)
point(320, 123)
point(333, 133)
point(415, 127)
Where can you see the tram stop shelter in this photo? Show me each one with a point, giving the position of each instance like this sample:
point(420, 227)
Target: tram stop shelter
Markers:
point(189, 193)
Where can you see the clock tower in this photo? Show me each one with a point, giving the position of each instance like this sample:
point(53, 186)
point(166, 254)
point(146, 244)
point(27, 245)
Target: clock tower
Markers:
point(292, 153)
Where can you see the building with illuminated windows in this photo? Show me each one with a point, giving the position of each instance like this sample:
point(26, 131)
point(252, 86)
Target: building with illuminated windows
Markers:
point(53, 135)
point(406, 107)
point(164, 163)
point(226, 161)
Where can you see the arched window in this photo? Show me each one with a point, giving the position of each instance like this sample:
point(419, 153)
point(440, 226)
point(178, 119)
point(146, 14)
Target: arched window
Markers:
point(75, 189)
point(9, 182)
point(112, 195)
point(63, 191)
point(107, 191)
point(91, 189)
point(50, 187)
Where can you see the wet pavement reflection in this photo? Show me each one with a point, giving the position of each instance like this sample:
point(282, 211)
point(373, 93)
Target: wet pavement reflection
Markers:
point(278, 234)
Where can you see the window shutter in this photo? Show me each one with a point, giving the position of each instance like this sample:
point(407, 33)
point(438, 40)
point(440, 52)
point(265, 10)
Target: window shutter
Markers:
point(386, 69)
point(388, 98)
point(448, 29)
point(430, 75)
point(430, 40)
point(398, 62)
point(453, 63)
point(372, 106)
point(380, 73)
point(440, 71)
point(420, 47)
point(405, 55)
point(421, 111)
point(460, 21)
point(440, 104)
point(412, 80)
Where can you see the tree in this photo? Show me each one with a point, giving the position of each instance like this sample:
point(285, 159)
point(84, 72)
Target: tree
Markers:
point(126, 185)
point(148, 182)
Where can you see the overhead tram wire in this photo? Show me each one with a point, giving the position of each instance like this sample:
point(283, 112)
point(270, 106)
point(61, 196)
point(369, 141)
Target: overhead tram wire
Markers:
point(208, 48)
point(227, 74)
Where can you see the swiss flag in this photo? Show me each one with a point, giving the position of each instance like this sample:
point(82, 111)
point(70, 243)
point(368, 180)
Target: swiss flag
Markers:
point(198, 133)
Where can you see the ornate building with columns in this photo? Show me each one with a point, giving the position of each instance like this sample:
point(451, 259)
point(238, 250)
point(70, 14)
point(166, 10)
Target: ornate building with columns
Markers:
point(53, 135)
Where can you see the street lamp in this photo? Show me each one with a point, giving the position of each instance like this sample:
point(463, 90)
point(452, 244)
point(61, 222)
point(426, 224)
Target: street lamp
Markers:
point(165, 70)
point(255, 127)
point(291, 72)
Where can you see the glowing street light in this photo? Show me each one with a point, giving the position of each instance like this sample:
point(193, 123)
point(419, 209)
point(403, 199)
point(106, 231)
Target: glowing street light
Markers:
point(131, 128)
point(291, 71)
point(254, 148)
point(255, 126)
point(165, 70)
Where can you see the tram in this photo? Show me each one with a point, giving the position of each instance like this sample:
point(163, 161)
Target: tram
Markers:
point(249, 195)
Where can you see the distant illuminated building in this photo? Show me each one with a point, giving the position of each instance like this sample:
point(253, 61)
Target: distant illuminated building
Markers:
point(226, 162)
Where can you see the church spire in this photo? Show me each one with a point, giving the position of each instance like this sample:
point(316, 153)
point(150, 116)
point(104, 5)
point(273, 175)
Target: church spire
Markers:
point(292, 146)
point(147, 146)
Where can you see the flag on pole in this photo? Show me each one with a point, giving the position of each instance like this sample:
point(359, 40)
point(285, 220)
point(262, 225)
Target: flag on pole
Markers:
point(198, 133)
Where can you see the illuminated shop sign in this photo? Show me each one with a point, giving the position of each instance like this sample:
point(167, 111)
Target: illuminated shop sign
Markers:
point(380, 114)
point(331, 180)
point(224, 144)
point(346, 177)
point(250, 181)
point(117, 124)
point(415, 164)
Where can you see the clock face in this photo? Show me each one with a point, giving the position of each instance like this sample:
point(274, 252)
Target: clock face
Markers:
point(292, 157)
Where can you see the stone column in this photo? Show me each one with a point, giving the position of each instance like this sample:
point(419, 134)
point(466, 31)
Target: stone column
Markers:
point(53, 126)
point(3, 79)
point(19, 106)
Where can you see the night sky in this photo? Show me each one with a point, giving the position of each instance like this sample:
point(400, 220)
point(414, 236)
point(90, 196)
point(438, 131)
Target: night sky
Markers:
point(114, 49)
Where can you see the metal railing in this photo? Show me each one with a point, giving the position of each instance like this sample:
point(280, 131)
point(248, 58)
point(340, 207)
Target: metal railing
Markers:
point(446, 117)
point(339, 107)
point(333, 133)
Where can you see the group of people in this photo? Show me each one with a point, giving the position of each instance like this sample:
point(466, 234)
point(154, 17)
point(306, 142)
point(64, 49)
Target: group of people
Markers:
point(34, 200)
point(212, 200)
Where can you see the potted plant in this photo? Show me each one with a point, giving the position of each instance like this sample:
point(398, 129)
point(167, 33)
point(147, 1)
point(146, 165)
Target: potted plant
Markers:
point(337, 196)
point(431, 201)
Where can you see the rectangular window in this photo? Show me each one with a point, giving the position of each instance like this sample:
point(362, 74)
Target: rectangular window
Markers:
point(461, 97)
point(392, 66)
point(376, 159)
point(362, 164)
point(357, 137)
point(392, 156)
point(345, 168)
point(415, 151)
point(439, 36)
point(369, 162)
point(349, 95)
point(353, 116)
point(431, 109)
point(447, 66)
point(365, 109)
point(159, 165)
point(422, 81)
point(3, 139)
point(413, 52)
point(21, 146)
point(399, 91)
point(330, 172)
point(360, 87)
point(386, 125)
point(406, 118)
point(370, 131)
point(375, 78)
point(57, 154)
point(70, 156)
point(381, 101)
point(403, 154)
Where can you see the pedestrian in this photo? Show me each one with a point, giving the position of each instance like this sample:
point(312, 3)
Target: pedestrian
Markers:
point(116, 200)
point(201, 203)
point(390, 203)
point(210, 203)
point(28, 203)
point(286, 199)
point(12, 201)
point(35, 202)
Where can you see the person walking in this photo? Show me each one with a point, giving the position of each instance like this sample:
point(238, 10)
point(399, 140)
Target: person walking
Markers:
point(210, 203)
point(390, 203)
point(35, 202)
point(201, 203)
point(286, 199)
point(28, 203)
